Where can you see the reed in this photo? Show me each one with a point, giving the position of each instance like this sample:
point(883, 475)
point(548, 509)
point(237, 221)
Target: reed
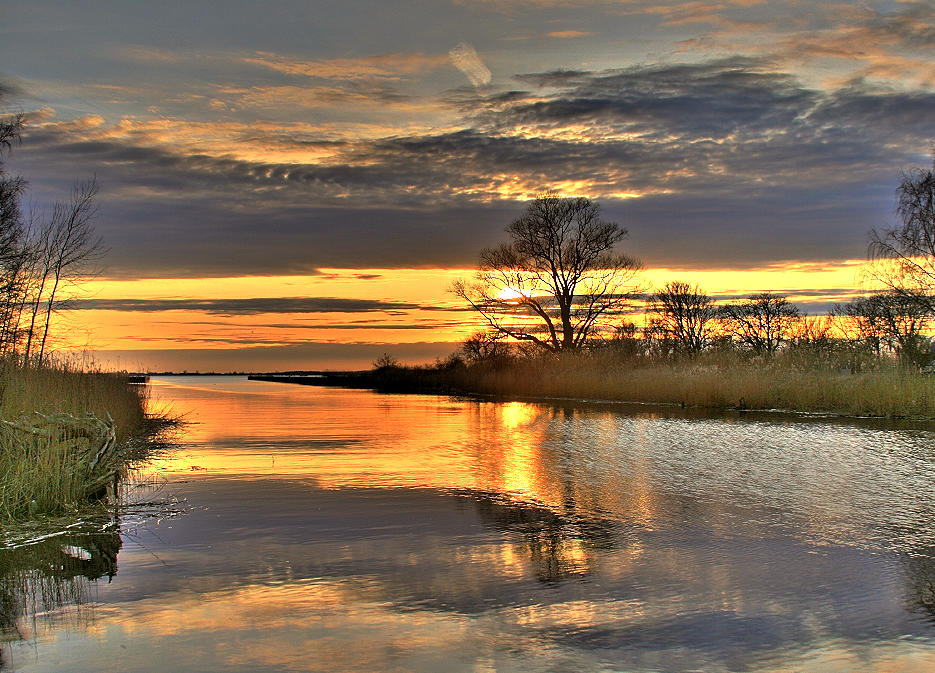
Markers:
point(714, 381)
point(64, 436)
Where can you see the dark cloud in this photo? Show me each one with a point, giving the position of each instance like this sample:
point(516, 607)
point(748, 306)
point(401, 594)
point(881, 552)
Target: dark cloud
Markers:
point(740, 165)
point(272, 358)
point(357, 326)
point(914, 26)
point(9, 88)
point(251, 306)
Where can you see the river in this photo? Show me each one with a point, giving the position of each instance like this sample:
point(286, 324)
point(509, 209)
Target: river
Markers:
point(299, 528)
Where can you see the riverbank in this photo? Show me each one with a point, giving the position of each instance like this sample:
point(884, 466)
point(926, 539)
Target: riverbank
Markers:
point(709, 382)
point(65, 437)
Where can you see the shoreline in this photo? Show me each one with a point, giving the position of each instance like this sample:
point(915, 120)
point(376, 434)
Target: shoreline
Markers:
point(411, 381)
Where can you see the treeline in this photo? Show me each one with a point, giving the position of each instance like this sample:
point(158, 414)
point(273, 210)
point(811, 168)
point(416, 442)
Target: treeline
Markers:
point(869, 357)
point(40, 255)
point(682, 322)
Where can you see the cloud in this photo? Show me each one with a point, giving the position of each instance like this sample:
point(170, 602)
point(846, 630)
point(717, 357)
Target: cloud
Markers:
point(251, 306)
point(465, 58)
point(388, 66)
point(893, 45)
point(690, 156)
point(310, 97)
point(555, 34)
point(568, 34)
point(9, 88)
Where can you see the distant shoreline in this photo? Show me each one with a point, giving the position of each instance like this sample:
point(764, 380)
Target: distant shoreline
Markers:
point(728, 387)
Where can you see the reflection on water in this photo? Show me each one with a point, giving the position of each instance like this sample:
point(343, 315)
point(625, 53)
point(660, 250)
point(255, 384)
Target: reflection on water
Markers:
point(44, 585)
point(344, 530)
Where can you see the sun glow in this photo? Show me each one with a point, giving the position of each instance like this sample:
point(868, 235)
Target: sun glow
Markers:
point(387, 307)
point(509, 294)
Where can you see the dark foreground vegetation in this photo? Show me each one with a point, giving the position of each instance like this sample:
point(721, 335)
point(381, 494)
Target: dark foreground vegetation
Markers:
point(66, 437)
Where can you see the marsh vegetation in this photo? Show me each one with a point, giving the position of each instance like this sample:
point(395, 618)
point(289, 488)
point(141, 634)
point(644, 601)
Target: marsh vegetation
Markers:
point(714, 380)
point(65, 436)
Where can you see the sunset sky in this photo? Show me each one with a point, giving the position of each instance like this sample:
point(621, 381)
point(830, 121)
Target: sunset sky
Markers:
point(295, 184)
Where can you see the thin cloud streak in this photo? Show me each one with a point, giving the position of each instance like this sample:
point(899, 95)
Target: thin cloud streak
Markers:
point(249, 306)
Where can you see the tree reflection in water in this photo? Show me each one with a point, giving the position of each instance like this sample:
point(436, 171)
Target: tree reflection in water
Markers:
point(558, 545)
point(47, 583)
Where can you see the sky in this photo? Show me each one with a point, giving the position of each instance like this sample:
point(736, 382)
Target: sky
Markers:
point(295, 185)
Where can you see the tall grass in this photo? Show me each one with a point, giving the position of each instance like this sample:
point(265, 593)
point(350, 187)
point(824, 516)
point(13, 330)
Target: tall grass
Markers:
point(725, 380)
point(63, 436)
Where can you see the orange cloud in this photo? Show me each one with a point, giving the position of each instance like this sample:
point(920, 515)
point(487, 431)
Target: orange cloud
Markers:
point(568, 34)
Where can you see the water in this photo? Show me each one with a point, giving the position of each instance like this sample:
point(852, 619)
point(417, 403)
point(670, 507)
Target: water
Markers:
point(310, 529)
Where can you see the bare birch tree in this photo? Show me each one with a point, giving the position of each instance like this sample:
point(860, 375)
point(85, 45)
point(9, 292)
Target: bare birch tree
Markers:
point(71, 248)
point(904, 254)
point(38, 258)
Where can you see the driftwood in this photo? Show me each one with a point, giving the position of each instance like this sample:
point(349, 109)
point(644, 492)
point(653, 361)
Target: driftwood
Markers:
point(90, 441)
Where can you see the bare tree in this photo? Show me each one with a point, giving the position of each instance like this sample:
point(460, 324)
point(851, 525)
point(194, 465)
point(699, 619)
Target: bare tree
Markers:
point(65, 249)
point(891, 321)
point(11, 188)
point(38, 259)
point(683, 316)
point(11, 235)
point(557, 279)
point(18, 284)
point(904, 254)
point(762, 322)
point(486, 346)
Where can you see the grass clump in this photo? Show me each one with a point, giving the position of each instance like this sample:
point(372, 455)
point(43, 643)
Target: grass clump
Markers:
point(64, 436)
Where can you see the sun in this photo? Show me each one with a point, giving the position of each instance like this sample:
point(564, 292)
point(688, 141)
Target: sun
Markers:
point(509, 294)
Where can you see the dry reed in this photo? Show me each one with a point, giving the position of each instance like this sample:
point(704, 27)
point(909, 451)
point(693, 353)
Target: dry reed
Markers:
point(721, 381)
point(62, 436)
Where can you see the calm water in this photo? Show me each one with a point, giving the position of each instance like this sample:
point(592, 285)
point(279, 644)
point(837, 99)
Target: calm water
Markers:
point(310, 529)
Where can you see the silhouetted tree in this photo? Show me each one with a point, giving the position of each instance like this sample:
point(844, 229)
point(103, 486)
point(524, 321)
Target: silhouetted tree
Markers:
point(12, 257)
point(486, 346)
point(557, 279)
point(11, 188)
point(625, 340)
point(71, 247)
point(683, 316)
point(385, 362)
point(762, 322)
point(891, 321)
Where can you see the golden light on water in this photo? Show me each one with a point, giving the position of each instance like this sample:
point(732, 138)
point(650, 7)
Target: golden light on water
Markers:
point(513, 461)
